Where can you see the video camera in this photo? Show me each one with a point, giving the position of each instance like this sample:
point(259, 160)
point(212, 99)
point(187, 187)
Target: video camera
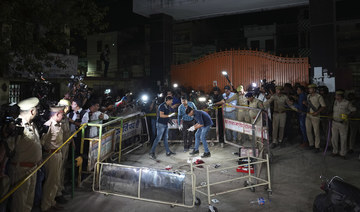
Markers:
point(9, 125)
point(78, 89)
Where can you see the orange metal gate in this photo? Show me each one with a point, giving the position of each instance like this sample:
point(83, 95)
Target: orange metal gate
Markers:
point(243, 66)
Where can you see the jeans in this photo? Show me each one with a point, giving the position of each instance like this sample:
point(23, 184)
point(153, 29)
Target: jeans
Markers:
point(162, 131)
point(187, 135)
point(302, 118)
point(153, 129)
point(201, 135)
point(230, 115)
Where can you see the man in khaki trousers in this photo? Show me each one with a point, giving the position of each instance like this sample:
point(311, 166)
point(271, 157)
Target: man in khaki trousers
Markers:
point(65, 150)
point(279, 116)
point(342, 110)
point(315, 104)
point(27, 155)
point(52, 140)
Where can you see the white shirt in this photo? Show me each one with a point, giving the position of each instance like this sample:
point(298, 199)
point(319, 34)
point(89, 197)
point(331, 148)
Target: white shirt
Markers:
point(227, 108)
point(95, 117)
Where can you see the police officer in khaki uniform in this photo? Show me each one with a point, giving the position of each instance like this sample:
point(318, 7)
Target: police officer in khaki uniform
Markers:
point(315, 104)
point(27, 155)
point(279, 116)
point(52, 140)
point(342, 110)
point(254, 103)
point(65, 125)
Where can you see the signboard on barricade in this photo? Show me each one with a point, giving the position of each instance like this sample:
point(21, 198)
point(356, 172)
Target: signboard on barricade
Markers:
point(131, 127)
point(244, 127)
point(107, 147)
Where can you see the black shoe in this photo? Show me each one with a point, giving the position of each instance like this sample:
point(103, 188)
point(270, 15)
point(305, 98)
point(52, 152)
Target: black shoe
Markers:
point(334, 155)
point(317, 150)
point(344, 157)
point(206, 155)
point(152, 156)
point(281, 144)
point(350, 151)
point(186, 149)
point(273, 145)
point(310, 148)
point(170, 153)
point(194, 152)
point(61, 200)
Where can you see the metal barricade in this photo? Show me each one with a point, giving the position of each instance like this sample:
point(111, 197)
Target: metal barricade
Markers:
point(243, 124)
point(251, 181)
point(110, 134)
point(146, 184)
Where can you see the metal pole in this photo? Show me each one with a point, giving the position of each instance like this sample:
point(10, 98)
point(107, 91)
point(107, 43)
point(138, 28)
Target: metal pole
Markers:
point(120, 138)
point(99, 152)
point(72, 171)
point(268, 170)
point(208, 184)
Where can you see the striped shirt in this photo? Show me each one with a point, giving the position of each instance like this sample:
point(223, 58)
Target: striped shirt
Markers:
point(182, 114)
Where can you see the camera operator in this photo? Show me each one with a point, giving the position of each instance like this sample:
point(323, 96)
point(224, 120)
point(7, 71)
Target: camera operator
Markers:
point(26, 153)
point(52, 140)
point(77, 117)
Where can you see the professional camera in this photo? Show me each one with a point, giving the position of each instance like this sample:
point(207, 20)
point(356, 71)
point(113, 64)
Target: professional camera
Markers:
point(269, 87)
point(9, 125)
point(78, 88)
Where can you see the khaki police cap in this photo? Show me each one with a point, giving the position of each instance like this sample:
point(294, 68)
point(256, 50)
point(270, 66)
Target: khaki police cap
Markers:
point(64, 102)
point(29, 103)
point(312, 86)
point(339, 92)
point(279, 87)
point(240, 88)
point(56, 109)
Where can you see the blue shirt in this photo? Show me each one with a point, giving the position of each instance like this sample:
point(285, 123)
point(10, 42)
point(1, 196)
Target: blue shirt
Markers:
point(166, 109)
point(176, 100)
point(182, 112)
point(299, 105)
point(203, 118)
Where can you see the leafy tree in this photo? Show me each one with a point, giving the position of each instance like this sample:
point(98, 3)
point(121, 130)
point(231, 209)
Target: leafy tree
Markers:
point(32, 29)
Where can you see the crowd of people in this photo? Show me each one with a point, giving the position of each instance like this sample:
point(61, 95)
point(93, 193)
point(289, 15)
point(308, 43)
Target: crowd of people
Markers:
point(311, 111)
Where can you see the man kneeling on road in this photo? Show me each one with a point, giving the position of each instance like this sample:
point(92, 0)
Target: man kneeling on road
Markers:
point(202, 126)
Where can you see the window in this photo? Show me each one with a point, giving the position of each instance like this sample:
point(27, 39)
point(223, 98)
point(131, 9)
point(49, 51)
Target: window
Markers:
point(99, 46)
point(255, 44)
point(14, 93)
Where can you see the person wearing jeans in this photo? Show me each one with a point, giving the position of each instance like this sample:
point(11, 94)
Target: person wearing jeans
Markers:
point(185, 122)
point(202, 126)
point(162, 126)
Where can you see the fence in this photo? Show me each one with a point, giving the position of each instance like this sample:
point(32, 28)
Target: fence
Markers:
point(243, 67)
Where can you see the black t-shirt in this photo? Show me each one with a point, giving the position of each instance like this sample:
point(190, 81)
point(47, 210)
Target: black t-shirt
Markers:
point(166, 109)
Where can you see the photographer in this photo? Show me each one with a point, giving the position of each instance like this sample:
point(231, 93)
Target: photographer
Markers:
point(26, 155)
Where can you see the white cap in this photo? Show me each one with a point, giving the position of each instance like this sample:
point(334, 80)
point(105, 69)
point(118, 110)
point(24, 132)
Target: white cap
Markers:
point(29, 103)
point(64, 102)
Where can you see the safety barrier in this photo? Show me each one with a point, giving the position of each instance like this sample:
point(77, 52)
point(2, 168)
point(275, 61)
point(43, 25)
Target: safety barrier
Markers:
point(151, 185)
point(110, 134)
point(250, 183)
point(240, 121)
